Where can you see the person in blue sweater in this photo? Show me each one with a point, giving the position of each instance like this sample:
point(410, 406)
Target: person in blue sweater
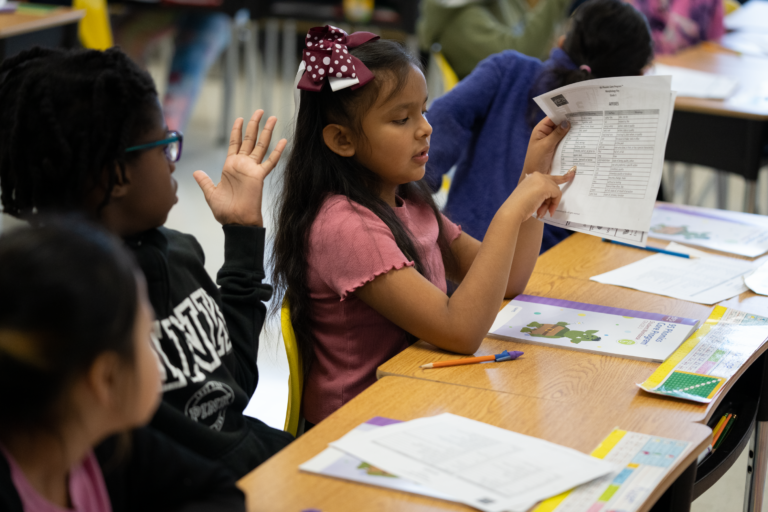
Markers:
point(483, 125)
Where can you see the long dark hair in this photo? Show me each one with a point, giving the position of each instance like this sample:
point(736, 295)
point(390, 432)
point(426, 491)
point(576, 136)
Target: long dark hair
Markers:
point(69, 293)
point(314, 172)
point(67, 118)
point(609, 36)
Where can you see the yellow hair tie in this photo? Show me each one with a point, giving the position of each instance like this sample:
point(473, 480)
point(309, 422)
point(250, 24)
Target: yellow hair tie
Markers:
point(22, 346)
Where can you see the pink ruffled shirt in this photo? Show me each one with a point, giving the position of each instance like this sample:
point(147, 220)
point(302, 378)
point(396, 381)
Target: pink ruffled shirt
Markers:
point(349, 247)
point(87, 490)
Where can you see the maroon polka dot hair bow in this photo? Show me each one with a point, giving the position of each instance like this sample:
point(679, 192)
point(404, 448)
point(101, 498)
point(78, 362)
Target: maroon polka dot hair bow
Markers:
point(326, 55)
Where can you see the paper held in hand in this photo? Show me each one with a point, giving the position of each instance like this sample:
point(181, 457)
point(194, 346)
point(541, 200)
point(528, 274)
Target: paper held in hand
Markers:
point(706, 363)
point(483, 466)
point(618, 136)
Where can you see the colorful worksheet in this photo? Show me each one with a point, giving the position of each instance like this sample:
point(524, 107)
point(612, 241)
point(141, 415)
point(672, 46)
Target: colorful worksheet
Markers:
point(617, 139)
point(706, 279)
point(642, 462)
point(713, 229)
point(480, 465)
point(338, 464)
point(702, 366)
point(591, 328)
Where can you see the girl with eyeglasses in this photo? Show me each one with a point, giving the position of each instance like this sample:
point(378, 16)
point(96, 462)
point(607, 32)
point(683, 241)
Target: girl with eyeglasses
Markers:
point(106, 153)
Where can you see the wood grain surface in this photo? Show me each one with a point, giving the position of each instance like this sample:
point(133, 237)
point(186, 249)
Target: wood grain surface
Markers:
point(279, 485)
point(14, 24)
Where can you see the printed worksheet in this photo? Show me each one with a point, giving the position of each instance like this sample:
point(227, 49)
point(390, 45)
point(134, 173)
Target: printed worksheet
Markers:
point(707, 279)
point(711, 228)
point(338, 464)
point(699, 369)
point(618, 136)
point(642, 461)
point(483, 466)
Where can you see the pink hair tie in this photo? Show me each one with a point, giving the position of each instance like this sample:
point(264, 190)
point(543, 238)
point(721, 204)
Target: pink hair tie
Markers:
point(586, 68)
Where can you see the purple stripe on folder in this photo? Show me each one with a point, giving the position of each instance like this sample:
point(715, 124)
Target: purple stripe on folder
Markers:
point(697, 213)
point(380, 421)
point(605, 309)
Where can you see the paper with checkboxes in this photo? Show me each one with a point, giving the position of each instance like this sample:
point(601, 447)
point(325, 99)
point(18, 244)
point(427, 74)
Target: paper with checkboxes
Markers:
point(719, 350)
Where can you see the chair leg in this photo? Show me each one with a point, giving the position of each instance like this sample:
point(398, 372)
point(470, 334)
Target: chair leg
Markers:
point(228, 87)
point(750, 196)
point(251, 65)
point(272, 31)
point(289, 64)
point(756, 468)
point(722, 190)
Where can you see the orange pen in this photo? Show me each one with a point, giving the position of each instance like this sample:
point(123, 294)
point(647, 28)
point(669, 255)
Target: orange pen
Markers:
point(504, 356)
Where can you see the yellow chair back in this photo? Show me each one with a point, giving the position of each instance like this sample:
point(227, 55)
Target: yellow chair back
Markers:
point(94, 30)
point(296, 377)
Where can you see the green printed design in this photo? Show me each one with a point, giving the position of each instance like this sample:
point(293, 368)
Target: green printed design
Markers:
point(686, 384)
point(559, 330)
point(609, 492)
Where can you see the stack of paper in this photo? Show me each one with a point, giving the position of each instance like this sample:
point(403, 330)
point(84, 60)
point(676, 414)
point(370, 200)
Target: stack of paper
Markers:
point(719, 350)
point(617, 140)
point(707, 279)
point(591, 328)
point(474, 463)
point(697, 84)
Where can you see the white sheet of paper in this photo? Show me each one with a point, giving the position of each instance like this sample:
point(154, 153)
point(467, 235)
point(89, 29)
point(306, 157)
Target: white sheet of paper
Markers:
point(627, 236)
point(757, 281)
point(617, 140)
point(697, 84)
point(706, 280)
point(709, 228)
point(483, 466)
point(750, 17)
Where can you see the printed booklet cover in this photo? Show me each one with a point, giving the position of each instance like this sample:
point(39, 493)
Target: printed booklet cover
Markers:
point(590, 328)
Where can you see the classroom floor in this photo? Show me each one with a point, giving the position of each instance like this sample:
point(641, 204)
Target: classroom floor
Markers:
point(191, 215)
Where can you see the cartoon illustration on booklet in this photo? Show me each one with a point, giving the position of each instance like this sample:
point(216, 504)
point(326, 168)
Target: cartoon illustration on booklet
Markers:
point(662, 229)
point(591, 328)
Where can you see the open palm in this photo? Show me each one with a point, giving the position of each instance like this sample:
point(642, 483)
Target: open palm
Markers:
point(237, 197)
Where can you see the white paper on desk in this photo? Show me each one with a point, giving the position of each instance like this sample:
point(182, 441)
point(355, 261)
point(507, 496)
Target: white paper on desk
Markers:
point(483, 466)
point(710, 228)
point(617, 140)
point(757, 281)
point(697, 84)
point(707, 280)
point(750, 17)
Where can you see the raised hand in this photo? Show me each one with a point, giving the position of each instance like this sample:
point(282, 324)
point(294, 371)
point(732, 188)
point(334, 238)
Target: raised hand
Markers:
point(237, 197)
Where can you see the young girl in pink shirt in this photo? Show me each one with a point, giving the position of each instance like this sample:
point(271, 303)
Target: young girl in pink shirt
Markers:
point(361, 252)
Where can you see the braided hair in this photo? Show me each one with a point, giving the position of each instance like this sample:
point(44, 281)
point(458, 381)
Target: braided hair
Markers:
point(67, 119)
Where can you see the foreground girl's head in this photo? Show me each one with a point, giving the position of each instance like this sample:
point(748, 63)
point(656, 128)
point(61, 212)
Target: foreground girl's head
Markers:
point(74, 330)
point(70, 120)
point(367, 144)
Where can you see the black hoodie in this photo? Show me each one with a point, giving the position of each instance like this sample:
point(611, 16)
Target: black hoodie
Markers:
point(207, 340)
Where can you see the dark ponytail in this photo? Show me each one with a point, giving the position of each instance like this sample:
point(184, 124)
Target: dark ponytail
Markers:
point(69, 293)
point(607, 38)
point(314, 172)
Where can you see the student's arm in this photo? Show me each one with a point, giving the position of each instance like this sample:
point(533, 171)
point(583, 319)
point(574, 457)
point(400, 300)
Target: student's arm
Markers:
point(157, 474)
point(456, 115)
point(236, 203)
point(460, 322)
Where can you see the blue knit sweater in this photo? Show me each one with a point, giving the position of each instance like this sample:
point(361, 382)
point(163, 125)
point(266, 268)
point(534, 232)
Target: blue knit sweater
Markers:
point(482, 126)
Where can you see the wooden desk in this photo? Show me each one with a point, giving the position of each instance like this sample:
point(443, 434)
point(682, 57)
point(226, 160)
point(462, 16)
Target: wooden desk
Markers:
point(279, 485)
point(22, 30)
point(727, 135)
point(15, 24)
point(569, 375)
